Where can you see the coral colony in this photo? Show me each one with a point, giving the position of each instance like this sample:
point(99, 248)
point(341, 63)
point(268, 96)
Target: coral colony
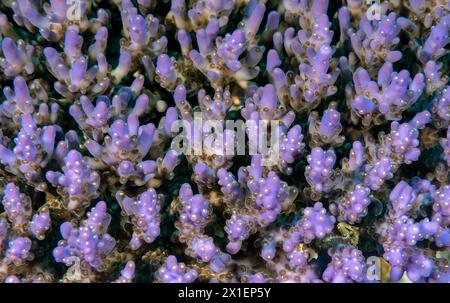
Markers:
point(224, 141)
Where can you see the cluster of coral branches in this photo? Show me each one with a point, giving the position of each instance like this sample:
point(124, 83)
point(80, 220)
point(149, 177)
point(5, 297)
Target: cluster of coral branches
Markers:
point(93, 187)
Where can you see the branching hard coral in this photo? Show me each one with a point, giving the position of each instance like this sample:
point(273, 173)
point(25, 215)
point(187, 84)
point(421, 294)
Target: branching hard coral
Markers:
point(57, 18)
point(354, 205)
point(18, 58)
point(77, 180)
point(326, 131)
point(72, 71)
point(304, 12)
point(347, 265)
point(185, 141)
point(310, 27)
point(174, 272)
point(18, 210)
point(268, 194)
point(428, 13)
point(315, 223)
point(40, 224)
point(16, 239)
point(124, 147)
point(199, 13)
point(315, 80)
point(435, 80)
point(142, 34)
point(33, 149)
point(319, 173)
point(88, 242)
point(441, 107)
point(441, 215)
point(19, 101)
point(355, 159)
point(263, 110)
point(403, 232)
point(434, 46)
point(127, 273)
point(387, 98)
point(200, 139)
point(375, 40)
point(93, 118)
point(219, 61)
point(144, 214)
point(203, 248)
point(377, 173)
point(195, 212)
point(16, 205)
point(402, 142)
point(233, 57)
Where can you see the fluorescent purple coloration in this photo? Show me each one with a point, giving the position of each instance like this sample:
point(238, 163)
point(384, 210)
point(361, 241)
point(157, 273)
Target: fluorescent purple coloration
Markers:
point(404, 139)
point(347, 265)
point(40, 224)
point(353, 206)
point(319, 173)
point(16, 204)
point(441, 105)
point(18, 58)
point(127, 273)
point(326, 131)
point(195, 211)
point(377, 173)
point(317, 101)
point(78, 181)
point(315, 223)
point(434, 46)
point(144, 213)
point(389, 96)
point(33, 149)
point(19, 250)
point(441, 215)
point(22, 100)
point(204, 249)
point(89, 242)
point(174, 272)
point(374, 40)
point(238, 227)
point(125, 145)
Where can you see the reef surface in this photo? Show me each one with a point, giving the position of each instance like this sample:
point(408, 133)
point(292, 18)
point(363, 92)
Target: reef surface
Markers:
point(224, 141)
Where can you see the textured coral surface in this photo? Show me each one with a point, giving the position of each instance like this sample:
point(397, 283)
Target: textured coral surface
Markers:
point(113, 168)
